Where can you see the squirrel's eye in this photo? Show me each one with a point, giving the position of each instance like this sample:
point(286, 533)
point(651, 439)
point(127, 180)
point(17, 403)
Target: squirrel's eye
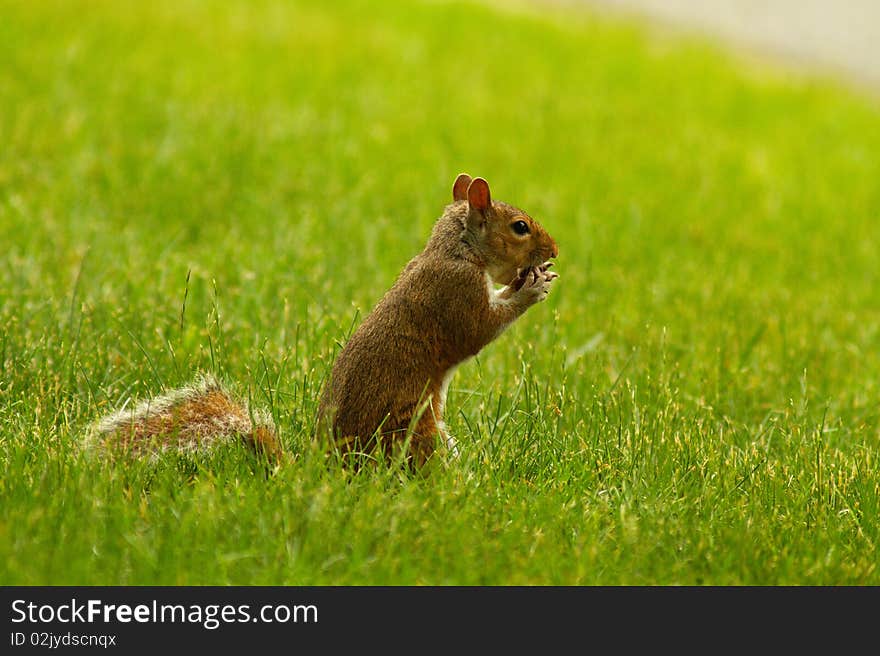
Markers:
point(520, 227)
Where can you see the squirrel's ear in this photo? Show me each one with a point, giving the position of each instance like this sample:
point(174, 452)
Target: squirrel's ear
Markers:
point(459, 189)
point(478, 195)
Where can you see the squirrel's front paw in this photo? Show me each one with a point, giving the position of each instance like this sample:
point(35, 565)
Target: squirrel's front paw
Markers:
point(544, 269)
point(536, 283)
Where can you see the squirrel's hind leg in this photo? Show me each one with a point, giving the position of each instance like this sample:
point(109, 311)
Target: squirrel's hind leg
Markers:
point(450, 442)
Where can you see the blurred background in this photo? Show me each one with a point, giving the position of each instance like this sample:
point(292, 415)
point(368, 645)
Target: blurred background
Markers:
point(839, 36)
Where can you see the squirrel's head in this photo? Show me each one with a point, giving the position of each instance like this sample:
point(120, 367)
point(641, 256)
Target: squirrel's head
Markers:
point(508, 238)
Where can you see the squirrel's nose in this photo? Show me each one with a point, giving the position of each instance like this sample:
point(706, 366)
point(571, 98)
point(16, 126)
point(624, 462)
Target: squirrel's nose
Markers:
point(554, 251)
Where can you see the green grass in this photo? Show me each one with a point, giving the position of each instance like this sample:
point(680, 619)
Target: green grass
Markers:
point(230, 186)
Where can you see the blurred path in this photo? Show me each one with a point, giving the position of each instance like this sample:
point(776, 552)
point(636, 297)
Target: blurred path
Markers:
point(842, 35)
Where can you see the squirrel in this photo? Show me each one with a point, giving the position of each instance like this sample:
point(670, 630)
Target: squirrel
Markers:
point(386, 392)
point(388, 385)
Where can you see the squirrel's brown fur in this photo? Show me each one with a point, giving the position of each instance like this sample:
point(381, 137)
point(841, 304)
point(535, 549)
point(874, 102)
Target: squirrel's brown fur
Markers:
point(388, 384)
point(190, 419)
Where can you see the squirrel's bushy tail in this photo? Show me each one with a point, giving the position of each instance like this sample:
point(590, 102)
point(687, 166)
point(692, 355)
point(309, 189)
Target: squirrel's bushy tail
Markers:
point(190, 419)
